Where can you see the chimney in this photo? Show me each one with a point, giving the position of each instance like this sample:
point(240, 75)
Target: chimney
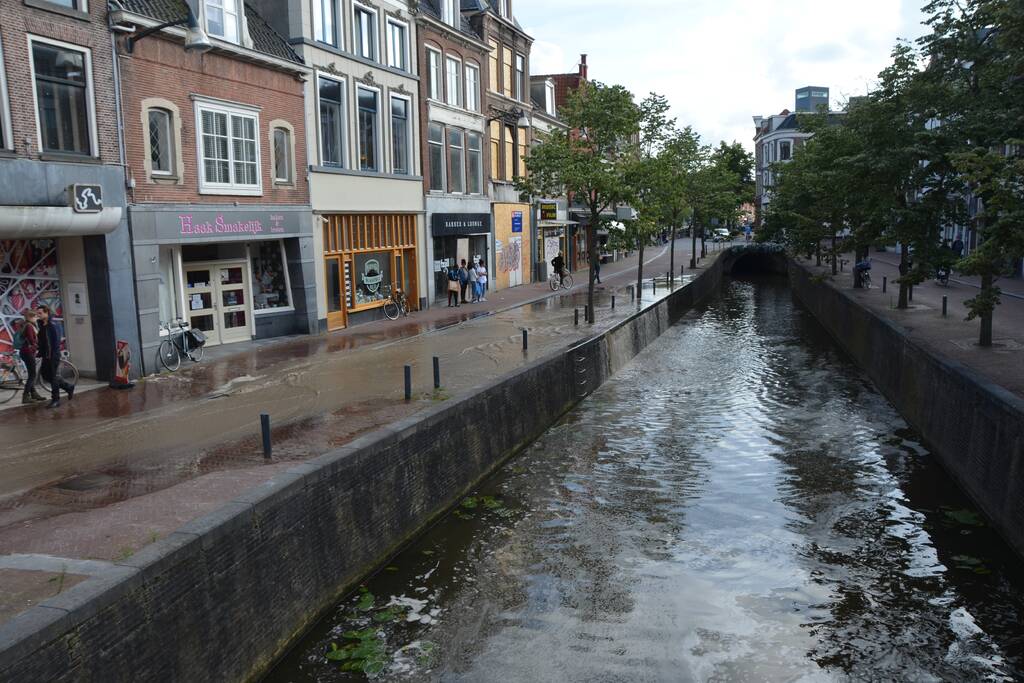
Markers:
point(583, 67)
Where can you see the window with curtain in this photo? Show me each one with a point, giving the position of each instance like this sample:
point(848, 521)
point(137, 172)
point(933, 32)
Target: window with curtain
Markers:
point(474, 163)
point(398, 51)
point(332, 122)
point(457, 161)
point(62, 95)
point(368, 130)
point(222, 19)
point(366, 33)
point(453, 67)
point(283, 155)
point(161, 154)
point(472, 87)
point(435, 151)
point(400, 148)
point(434, 73)
point(325, 21)
point(230, 150)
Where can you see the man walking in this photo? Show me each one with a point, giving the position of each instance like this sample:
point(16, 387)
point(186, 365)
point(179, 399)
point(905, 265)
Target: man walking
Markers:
point(558, 265)
point(49, 352)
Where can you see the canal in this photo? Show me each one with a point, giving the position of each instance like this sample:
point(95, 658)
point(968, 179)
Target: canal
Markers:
point(738, 503)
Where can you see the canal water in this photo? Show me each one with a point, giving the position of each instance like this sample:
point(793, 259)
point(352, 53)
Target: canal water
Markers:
point(737, 504)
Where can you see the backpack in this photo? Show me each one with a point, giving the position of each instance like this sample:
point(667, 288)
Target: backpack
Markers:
point(20, 340)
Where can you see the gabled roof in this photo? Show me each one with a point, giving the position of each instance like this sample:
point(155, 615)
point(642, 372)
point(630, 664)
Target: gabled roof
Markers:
point(432, 9)
point(264, 38)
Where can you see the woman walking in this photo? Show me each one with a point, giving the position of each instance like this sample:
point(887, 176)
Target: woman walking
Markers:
point(481, 280)
point(27, 350)
point(453, 286)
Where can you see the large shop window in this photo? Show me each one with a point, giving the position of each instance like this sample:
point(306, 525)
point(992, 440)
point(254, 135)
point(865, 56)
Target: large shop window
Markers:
point(400, 136)
point(332, 122)
point(63, 97)
point(270, 277)
point(435, 149)
point(368, 130)
point(229, 148)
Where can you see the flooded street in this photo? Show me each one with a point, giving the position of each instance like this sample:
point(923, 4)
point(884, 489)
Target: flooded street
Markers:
point(737, 504)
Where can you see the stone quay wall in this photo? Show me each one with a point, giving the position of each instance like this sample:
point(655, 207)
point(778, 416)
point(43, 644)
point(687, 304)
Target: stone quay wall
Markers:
point(222, 598)
point(974, 427)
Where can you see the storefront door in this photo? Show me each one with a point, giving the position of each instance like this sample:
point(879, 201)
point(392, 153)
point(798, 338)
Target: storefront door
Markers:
point(336, 295)
point(217, 299)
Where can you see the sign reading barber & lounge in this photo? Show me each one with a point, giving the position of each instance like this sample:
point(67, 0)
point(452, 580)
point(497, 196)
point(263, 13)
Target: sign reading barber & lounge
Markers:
point(445, 224)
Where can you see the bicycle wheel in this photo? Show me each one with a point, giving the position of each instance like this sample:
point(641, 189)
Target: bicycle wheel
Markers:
point(195, 353)
point(68, 372)
point(169, 355)
point(553, 283)
point(391, 310)
point(567, 282)
point(11, 383)
point(865, 280)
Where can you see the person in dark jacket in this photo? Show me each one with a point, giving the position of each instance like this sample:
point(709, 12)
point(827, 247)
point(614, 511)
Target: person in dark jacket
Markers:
point(49, 351)
point(558, 265)
point(28, 351)
point(453, 286)
point(463, 280)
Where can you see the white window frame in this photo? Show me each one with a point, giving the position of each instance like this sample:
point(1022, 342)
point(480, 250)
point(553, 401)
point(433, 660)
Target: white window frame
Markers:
point(408, 133)
point(357, 28)
point(549, 98)
point(206, 187)
point(473, 105)
point(339, 23)
point(480, 175)
point(519, 87)
point(239, 11)
point(289, 152)
point(448, 59)
point(444, 158)
point(405, 44)
point(379, 142)
point(344, 121)
point(448, 159)
point(90, 101)
point(436, 76)
point(450, 12)
point(5, 104)
point(287, 283)
point(503, 9)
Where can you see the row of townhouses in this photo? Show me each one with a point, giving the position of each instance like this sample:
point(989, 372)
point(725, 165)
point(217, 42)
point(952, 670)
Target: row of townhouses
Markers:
point(263, 168)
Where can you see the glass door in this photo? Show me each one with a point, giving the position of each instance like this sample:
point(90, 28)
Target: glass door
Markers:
point(233, 302)
point(336, 292)
point(200, 302)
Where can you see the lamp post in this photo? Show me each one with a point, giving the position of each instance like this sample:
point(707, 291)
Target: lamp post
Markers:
point(196, 39)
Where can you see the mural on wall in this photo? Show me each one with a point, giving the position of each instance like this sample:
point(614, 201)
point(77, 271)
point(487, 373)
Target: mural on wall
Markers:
point(28, 278)
point(511, 258)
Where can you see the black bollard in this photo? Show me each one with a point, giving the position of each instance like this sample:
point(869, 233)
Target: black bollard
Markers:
point(668, 277)
point(265, 430)
point(945, 301)
point(632, 293)
point(408, 382)
point(613, 302)
point(575, 316)
point(885, 281)
point(437, 372)
point(910, 292)
point(654, 285)
point(525, 343)
point(680, 270)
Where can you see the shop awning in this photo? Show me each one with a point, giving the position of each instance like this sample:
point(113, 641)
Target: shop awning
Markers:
point(31, 222)
point(556, 224)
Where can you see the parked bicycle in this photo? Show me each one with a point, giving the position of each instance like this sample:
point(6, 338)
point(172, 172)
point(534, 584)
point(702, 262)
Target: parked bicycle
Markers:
point(13, 373)
point(565, 281)
point(397, 303)
point(181, 341)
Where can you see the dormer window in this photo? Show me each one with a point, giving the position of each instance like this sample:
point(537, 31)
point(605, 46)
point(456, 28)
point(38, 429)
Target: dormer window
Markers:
point(504, 10)
point(549, 98)
point(450, 12)
point(223, 19)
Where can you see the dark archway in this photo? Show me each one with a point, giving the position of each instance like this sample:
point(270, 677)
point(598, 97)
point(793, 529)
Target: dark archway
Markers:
point(755, 259)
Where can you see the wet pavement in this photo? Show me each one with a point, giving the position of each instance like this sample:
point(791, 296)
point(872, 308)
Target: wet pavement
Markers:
point(737, 504)
point(113, 471)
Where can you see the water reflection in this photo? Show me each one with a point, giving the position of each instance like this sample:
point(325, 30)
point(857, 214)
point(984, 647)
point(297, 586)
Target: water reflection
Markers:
point(737, 504)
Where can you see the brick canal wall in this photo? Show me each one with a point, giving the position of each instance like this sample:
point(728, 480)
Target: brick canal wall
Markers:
point(223, 597)
point(975, 428)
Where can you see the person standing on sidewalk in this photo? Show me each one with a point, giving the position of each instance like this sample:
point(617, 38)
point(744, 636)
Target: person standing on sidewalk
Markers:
point(453, 286)
point(463, 281)
point(473, 284)
point(49, 351)
point(481, 280)
point(597, 269)
point(26, 340)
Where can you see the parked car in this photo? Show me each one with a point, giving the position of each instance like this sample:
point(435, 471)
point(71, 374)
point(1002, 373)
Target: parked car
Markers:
point(720, 235)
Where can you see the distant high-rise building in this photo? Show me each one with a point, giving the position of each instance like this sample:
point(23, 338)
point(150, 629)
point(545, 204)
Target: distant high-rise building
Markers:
point(810, 97)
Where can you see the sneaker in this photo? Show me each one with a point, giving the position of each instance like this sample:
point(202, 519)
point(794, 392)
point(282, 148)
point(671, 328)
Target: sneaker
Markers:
point(71, 391)
point(53, 404)
point(26, 399)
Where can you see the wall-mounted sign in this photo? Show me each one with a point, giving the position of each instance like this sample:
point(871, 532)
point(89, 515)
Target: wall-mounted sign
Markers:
point(86, 198)
point(78, 299)
point(222, 225)
point(449, 224)
point(517, 221)
point(548, 211)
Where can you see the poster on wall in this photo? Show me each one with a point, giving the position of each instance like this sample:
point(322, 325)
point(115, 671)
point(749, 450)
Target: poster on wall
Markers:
point(517, 221)
point(28, 278)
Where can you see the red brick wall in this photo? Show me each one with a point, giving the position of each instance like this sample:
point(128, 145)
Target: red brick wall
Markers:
point(162, 69)
point(17, 20)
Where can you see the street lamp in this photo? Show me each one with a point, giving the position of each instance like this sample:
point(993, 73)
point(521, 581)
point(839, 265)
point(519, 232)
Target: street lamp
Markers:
point(512, 117)
point(196, 39)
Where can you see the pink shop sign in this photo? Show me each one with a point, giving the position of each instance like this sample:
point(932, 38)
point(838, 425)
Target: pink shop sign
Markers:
point(220, 226)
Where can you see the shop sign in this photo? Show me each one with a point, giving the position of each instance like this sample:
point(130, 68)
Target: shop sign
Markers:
point(210, 226)
point(87, 198)
point(548, 211)
point(447, 224)
point(517, 221)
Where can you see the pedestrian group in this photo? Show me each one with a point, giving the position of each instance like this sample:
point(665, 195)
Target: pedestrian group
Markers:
point(39, 337)
point(462, 278)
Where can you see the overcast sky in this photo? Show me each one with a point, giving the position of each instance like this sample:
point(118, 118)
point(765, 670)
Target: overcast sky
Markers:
point(719, 62)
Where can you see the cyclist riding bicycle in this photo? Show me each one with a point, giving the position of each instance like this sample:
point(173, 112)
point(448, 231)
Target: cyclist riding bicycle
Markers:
point(558, 263)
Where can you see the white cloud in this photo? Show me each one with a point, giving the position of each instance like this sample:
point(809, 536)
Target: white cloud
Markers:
point(719, 62)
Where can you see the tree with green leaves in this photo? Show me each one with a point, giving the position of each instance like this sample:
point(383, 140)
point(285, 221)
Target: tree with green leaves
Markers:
point(590, 162)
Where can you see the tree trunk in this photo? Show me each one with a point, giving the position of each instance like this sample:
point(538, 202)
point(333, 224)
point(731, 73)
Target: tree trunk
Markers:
point(985, 337)
point(835, 256)
point(703, 243)
point(672, 254)
point(904, 272)
point(639, 267)
point(859, 255)
point(817, 253)
point(592, 259)
point(693, 249)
